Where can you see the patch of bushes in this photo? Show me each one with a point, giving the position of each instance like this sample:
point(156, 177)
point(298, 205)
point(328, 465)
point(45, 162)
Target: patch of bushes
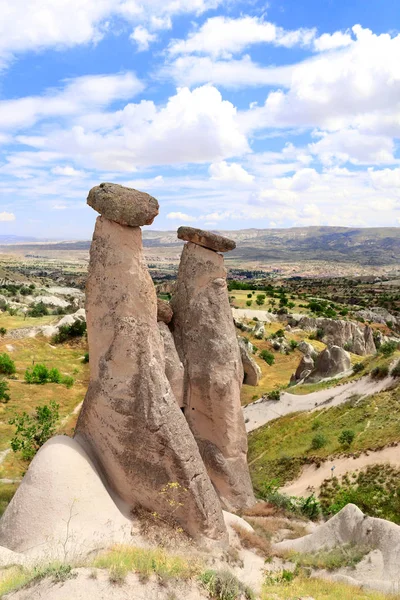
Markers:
point(4, 389)
point(33, 430)
point(388, 348)
point(396, 370)
point(268, 357)
point(380, 372)
point(68, 332)
point(346, 438)
point(38, 310)
point(293, 505)
point(317, 335)
point(274, 395)
point(40, 375)
point(293, 344)
point(7, 365)
point(358, 367)
point(318, 441)
point(375, 491)
point(224, 585)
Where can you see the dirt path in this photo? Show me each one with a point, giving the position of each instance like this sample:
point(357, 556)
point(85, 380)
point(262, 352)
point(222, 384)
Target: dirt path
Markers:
point(248, 313)
point(311, 477)
point(262, 411)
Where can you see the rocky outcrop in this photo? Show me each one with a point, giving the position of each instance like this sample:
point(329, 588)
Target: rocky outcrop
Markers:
point(350, 526)
point(49, 331)
point(207, 345)
point(307, 349)
point(123, 205)
point(164, 311)
point(252, 372)
point(130, 424)
point(331, 362)
point(173, 366)
point(259, 330)
point(356, 338)
point(207, 239)
point(305, 368)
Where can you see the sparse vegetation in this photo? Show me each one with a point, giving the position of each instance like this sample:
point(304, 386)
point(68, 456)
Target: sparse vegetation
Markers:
point(4, 389)
point(342, 556)
point(223, 585)
point(7, 365)
point(33, 430)
point(40, 375)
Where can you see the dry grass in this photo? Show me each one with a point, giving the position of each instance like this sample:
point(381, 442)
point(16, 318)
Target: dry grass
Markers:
point(253, 541)
point(18, 321)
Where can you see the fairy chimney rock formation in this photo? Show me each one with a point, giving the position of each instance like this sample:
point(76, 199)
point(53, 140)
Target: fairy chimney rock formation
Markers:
point(131, 425)
point(207, 239)
point(206, 341)
point(123, 205)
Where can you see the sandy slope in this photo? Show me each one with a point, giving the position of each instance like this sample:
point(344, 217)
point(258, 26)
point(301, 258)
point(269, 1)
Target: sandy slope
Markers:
point(312, 477)
point(262, 411)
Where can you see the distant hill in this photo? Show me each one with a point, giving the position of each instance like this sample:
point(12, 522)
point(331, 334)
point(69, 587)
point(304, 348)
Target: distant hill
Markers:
point(365, 246)
point(15, 239)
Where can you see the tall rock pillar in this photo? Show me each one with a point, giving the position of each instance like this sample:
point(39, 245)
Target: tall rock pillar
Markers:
point(130, 424)
point(207, 345)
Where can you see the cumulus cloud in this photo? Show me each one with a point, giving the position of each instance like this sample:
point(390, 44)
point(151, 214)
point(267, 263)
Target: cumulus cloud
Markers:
point(223, 171)
point(142, 37)
point(67, 23)
point(179, 216)
point(6, 216)
point(67, 171)
point(332, 41)
point(222, 36)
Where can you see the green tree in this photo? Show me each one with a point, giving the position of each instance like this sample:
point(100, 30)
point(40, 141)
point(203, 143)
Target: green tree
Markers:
point(33, 430)
point(7, 365)
point(268, 357)
point(4, 388)
point(346, 437)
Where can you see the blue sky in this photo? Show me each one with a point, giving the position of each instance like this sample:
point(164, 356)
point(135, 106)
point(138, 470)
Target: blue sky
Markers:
point(233, 114)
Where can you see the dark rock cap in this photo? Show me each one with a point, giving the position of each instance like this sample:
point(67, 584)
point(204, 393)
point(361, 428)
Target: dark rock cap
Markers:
point(213, 241)
point(123, 205)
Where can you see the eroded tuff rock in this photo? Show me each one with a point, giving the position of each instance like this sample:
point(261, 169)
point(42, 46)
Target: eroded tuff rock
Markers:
point(123, 205)
point(357, 338)
point(304, 369)
point(164, 311)
point(207, 239)
point(173, 367)
point(332, 361)
point(252, 372)
point(206, 342)
point(130, 424)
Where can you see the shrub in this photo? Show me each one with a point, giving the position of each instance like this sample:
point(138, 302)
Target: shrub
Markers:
point(7, 365)
point(346, 437)
point(38, 310)
point(224, 585)
point(4, 389)
point(380, 372)
point(86, 357)
point(39, 374)
point(358, 367)
point(66, 332)
point(318, 441)
point(33, 430)
point(317, 335)
point(300, 507)
point(260, 300)
point(388, 348)
point(68, 381)
point(274, 395)
point(249, 303)
point(249, 295)
point(293, 344)
point(268, 357)
point(396, 370)
point(278, 334)
point(3, 331)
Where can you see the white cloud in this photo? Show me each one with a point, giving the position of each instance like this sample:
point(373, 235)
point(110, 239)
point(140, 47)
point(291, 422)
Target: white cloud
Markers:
point(223, 171)
point(368, 71)
point(79, 95)
point(27, 25)
point(195, 70)
point(193, 126)
point(221, 36)
point(179, 216)
point(6, 216)
point(332, 41)
point(59, 207)
point(349, 145)
point(142, 37)
point(386, 178)
point(67, 171)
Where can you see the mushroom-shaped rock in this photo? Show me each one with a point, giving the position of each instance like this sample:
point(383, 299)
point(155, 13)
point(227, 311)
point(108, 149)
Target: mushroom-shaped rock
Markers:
point(164, 311)
point(332, 361)
point(130, 424)
point(207, 239)
point(252, 372)
point(123, 205)
point(206, 341)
